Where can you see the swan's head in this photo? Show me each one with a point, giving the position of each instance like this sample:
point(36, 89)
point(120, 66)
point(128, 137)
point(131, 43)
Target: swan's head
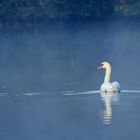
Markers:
point(104, 65)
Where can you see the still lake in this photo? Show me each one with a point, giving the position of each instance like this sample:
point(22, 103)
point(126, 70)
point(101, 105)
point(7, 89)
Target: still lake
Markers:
point(49, 81)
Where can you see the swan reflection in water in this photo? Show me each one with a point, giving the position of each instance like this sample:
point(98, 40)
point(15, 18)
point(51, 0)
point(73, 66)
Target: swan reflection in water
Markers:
point(108, 99)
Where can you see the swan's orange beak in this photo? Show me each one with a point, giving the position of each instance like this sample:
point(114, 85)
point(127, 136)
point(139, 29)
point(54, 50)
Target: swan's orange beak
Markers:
point(100, 66)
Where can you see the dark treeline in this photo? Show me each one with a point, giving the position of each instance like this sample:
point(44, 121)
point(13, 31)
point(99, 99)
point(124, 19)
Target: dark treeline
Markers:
point(37, 10)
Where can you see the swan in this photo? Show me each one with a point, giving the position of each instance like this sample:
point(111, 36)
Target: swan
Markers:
point(107, 86)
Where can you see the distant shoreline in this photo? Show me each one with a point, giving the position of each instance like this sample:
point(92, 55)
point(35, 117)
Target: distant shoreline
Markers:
point(26, 23)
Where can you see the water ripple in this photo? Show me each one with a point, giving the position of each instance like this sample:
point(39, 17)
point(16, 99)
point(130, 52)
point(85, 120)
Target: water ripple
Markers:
point(81, 93)
point(31, 94)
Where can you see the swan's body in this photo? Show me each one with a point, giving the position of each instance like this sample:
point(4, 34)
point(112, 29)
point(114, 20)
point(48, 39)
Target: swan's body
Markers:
point(107, 86)
point(110, 87)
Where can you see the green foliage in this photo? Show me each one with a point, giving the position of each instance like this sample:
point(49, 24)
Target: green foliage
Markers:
point(130, 8)
point(29, 10)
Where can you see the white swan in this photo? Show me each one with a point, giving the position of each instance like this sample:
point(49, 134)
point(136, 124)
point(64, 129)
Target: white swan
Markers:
point(107, 86)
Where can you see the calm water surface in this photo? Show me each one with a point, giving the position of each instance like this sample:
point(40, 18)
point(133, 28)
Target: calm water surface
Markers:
point(49, 78)
point(77, 117)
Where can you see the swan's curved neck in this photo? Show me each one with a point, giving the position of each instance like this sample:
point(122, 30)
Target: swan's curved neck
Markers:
point(107, 74)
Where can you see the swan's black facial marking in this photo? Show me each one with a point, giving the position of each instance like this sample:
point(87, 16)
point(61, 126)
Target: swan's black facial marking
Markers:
point(101, 66)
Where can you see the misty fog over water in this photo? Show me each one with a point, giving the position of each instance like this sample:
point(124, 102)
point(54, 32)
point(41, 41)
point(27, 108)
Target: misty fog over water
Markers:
point(61, 60)
point(65, 56)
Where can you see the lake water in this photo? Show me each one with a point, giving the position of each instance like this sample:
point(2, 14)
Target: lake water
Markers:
point(49, 81)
